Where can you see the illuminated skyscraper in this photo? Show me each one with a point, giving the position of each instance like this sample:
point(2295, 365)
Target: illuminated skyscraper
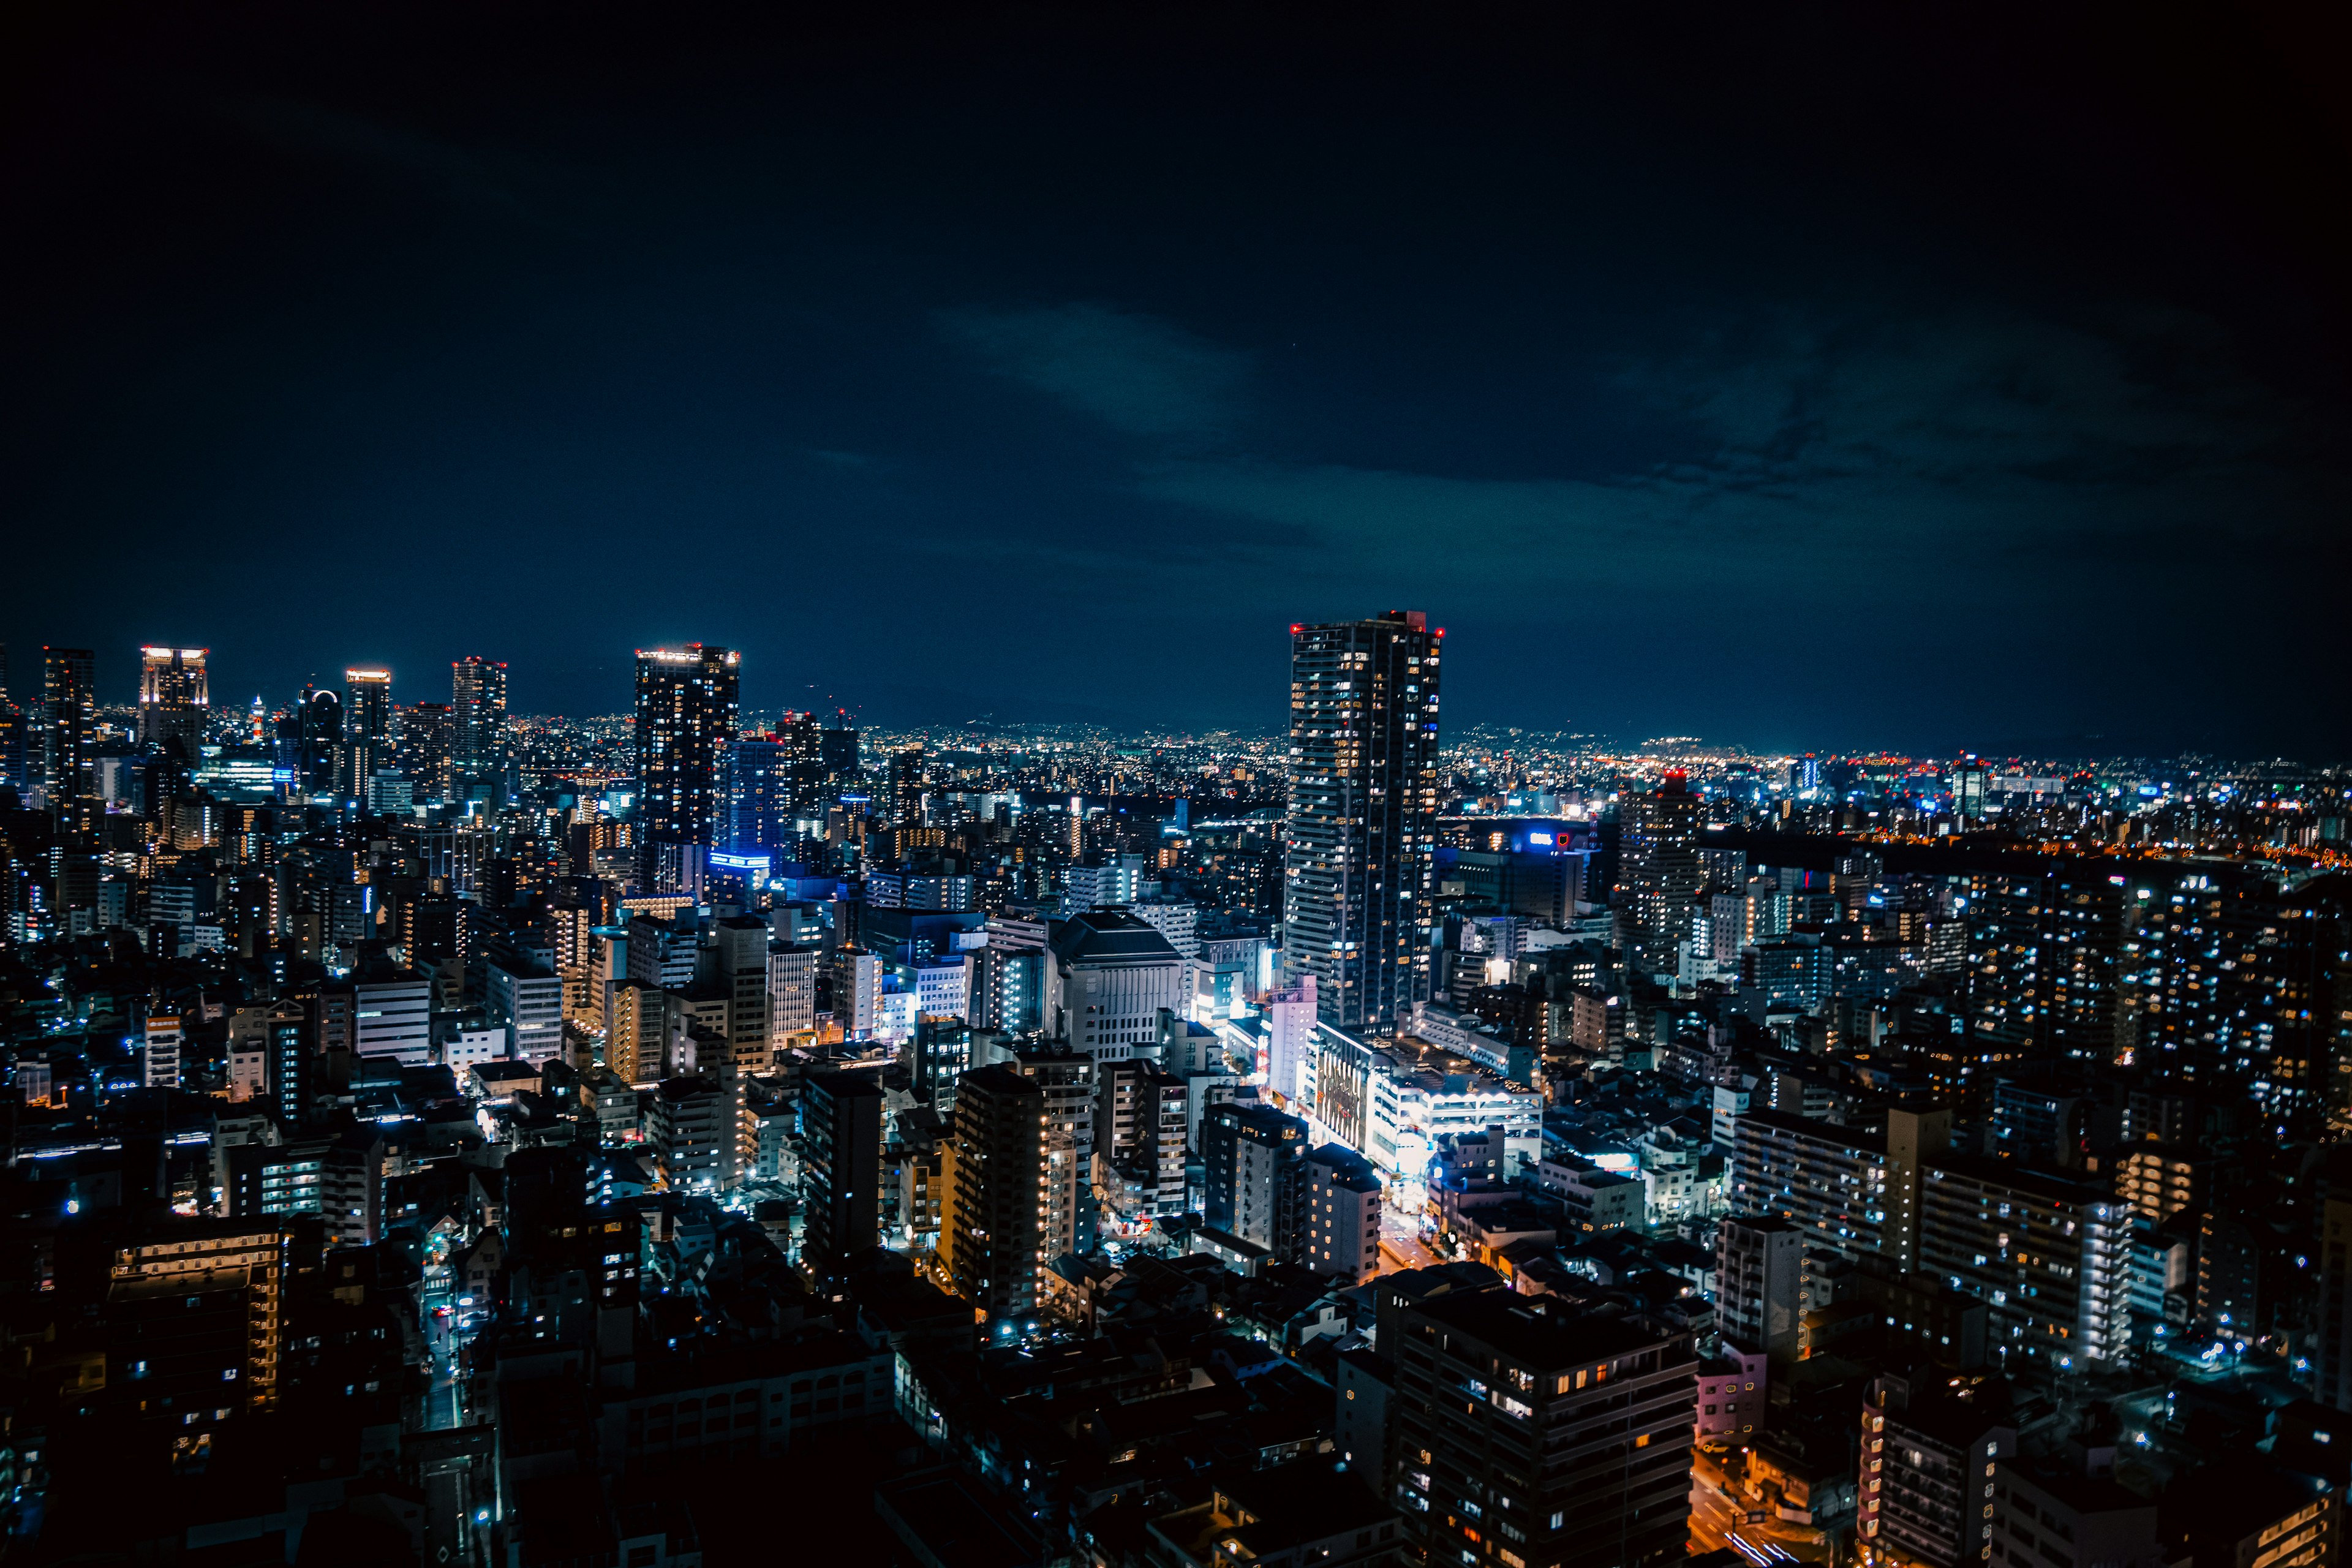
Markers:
point(769, 779)
point(12, 731)
point(367, 730)
point(68, 712)
point(478, 731)
point(321, 722)
point(1363, 807)
point(426, 731)
point(174, 698)
point(1659, 874)
point(687, 716)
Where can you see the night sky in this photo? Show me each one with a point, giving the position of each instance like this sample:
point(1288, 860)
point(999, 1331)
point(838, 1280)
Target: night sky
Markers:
point(1782, 377)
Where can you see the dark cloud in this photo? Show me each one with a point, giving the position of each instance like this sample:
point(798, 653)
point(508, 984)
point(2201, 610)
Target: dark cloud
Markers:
point(1899, 381)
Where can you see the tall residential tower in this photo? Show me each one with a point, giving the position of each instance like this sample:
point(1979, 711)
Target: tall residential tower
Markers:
point(477, 730)
point(1363, 808)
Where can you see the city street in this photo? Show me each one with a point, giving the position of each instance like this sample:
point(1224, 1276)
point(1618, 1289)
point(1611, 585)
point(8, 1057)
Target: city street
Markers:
point(1400, 1244)
point(1718, 1520)
point(444, 1342)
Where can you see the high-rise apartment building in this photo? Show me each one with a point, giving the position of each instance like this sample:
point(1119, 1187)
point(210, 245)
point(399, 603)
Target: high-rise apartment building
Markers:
point(1930, 1450)
point(1361, 834)
point(195, 1322)
point(1760, 1271)
point(174, 698)
point(2051, 1255)
point(635, 1029)
point(767, 783)
point(841, 1126)
point(687, 717)
point(68, 725)
point(1523, 1425)
point(1255, 1177)
point(1658, 871)
point(1343, 1213)
point(426, 733)
point(1850, 1190)
point(478, 747)
point(998, 1211)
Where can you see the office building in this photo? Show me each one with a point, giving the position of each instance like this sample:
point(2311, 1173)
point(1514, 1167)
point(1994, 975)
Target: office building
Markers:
point(841, 1129)
point(686, 715)
point(999, 1207)
point(367, 732)
point(1760, 1268)
point(1360, 838)
point(1526, 1427)
point(391, 1016)
point(174, 698)
point(791, 990)
point(770, 780)
point(317, 742)
point(480, 750)
point(68, 719)
point(1110, 975)
point(527, 1002)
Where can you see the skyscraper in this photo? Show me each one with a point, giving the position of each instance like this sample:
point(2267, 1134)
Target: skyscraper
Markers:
point(426, 734)
point(367, 729)
point(321, 726)
point(770, 780)
point(477, 730)
point(174, 698)
point(68, 712)
point(12, 731)
point(1659, 874)
point(686, 715)
point(1363, 806)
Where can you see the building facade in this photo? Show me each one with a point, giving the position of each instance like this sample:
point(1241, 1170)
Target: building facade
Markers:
point(1361, 836)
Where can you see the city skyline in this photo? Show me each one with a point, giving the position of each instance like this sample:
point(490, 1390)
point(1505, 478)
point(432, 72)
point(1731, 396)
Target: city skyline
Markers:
point(1176, 785)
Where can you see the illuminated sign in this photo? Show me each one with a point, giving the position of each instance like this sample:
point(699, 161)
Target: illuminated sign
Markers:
point(1539, 838)
point(743, 860)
